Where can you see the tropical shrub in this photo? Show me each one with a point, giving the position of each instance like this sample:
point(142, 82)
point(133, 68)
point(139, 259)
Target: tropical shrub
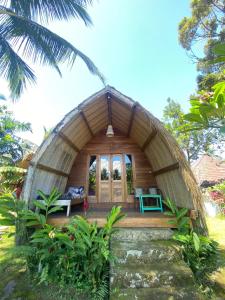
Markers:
point(199, 252)
point(181, 220)
point(76, 255)
point(12, 212)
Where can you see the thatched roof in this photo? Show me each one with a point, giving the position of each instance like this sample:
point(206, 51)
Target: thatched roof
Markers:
point(54, 159)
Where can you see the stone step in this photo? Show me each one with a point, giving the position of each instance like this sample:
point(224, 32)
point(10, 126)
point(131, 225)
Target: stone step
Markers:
point(142, 234)
point(145, 252)
point(153, 275)
point(149, 266)
point(161, 293)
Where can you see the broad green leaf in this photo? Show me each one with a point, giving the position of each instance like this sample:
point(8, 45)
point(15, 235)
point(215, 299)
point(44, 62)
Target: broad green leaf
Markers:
point(54, 209)
point(193, 118)
point(172, 222)
point(32, 223)
point(39, 204)
point(182, 212)
point(195, 102)
point(220, 101)
point(219, 49)
point(7, 222)
point(183, 222)
point(42, 219)
point(169, 213)
point(196, 241)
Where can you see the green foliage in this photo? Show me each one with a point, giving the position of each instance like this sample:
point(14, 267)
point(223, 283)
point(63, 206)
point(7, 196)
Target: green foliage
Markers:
point(219, 187)
point(11, 176)
point(199, 252)
point(217, 192)
point(10, 145)
point(22, 21)
point(206, 82)
point(46, 205)
point(205, 27)
point(181, 220)
point(76, 255)
point(193, 143)
point(208, 109)
point(11, 211)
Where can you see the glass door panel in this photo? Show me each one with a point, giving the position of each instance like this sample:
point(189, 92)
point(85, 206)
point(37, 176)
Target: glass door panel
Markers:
point(105, 182)
point(104, 162)
point(92, 176)
point(116, 167)
point(129, 174)
point(117, 182)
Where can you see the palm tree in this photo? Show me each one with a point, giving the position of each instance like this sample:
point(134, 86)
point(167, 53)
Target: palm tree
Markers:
point(23, 36)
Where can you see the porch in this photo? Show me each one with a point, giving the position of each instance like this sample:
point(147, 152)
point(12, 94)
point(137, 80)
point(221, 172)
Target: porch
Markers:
point(133, 219)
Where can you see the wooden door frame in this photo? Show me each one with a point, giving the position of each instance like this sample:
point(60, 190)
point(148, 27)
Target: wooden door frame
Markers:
point(123, 170)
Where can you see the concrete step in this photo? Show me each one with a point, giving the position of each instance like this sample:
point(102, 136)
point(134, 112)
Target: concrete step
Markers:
point(142, 234)
point(149, 266)
point(151, 276)
point(136, 252)
point(161, 293)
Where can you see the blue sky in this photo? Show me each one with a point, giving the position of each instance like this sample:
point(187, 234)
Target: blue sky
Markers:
point(135, 45)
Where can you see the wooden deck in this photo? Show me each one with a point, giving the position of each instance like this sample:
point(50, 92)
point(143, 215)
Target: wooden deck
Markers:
point(133, 218)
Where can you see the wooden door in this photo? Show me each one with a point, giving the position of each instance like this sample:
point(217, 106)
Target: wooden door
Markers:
point(117, 179)
point(111, 178)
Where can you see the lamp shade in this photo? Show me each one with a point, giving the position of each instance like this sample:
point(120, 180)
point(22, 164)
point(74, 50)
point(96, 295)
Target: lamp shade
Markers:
point(110, 132)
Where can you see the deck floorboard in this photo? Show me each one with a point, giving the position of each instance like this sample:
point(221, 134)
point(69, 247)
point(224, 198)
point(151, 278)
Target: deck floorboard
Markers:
point(133, 218)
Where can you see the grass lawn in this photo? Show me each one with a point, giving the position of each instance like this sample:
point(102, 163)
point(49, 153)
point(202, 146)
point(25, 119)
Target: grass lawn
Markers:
point(14, 280)
point(216, 228)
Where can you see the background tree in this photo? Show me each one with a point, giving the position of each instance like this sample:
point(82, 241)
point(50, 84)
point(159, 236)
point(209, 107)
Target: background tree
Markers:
point(23, 37)
point(207, 26)
point(11, 150)
point(208, 110)
point(193, 143)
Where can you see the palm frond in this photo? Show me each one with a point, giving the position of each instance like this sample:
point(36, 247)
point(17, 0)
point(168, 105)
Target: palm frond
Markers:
point(39, 44)
point(48, 10)
point(13, 68)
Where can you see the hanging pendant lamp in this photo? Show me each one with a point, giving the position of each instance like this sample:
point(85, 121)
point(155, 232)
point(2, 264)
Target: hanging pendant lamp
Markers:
point(110, 132)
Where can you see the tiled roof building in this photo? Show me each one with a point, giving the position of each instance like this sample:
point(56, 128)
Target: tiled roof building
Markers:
point(208, 168)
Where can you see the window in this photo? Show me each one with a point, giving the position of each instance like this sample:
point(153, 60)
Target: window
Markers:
point(92, 176)
point(129, 174)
